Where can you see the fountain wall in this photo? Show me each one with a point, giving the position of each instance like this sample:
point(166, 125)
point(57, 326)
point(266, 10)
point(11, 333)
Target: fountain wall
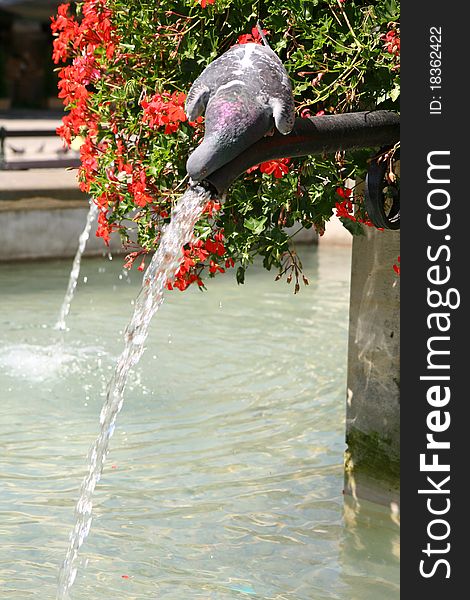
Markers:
point(373, 395)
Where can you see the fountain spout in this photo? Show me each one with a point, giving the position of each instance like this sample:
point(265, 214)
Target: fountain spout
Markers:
point(315, 135)
point(325, 134)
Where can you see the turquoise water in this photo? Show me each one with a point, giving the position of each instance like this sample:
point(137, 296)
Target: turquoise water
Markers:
point(224, 478)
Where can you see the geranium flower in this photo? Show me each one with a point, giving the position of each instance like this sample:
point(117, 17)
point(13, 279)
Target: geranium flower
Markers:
point(392, 42)
point(253, 37)
point(164, 110)
point(204, 3)
point(344, 192)
point(344, 210)
point(104, 228)
point(278, 168)
point(216, 245)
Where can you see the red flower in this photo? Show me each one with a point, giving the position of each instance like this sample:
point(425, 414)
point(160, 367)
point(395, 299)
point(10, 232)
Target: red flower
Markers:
point(65, 30)
point(104, 228)
point(392, 42)
point(88, 156)
point(253, 37)
point(164, 110)
point(278, 168)
point(344, 192)
point(211, 207)
point(345, 210)
point(193, 262)
point(215, 246)
point(204, 3)
point(138, 188)
point(214, 267)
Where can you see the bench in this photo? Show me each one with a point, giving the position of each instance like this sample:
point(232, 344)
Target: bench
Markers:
point(18, 165)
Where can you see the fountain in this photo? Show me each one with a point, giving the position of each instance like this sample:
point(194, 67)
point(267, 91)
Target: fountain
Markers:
point(160, 271)
point(215, 163)
point(75, 272)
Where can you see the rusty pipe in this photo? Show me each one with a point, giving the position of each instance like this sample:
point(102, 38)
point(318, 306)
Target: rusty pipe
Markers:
point(315, 135)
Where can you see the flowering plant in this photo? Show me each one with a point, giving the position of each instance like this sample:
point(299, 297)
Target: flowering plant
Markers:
point(128, 67)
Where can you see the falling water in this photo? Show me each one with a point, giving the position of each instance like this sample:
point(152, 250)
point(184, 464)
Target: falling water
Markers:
point(75, 272)
point(164, 264)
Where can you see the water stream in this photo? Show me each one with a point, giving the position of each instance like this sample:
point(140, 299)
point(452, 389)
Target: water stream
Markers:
point(75, 272)
point(162, 268)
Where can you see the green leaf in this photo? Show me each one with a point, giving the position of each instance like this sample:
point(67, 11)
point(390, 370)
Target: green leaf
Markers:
point(256, 226)
point(240, 275)
point(395, 93)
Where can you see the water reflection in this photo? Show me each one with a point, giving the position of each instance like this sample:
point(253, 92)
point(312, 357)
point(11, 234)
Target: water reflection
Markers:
point(370, 550)
point(224, 478)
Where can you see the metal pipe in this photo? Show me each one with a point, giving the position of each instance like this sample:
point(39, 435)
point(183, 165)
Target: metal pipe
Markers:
point(315, 135)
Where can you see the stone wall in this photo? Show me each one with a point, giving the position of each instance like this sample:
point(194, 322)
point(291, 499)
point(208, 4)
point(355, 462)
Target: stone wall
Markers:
point(373, 395)
point(47, 228)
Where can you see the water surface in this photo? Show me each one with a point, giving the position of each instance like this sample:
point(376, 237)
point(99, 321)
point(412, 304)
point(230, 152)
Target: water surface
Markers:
point(224, 478)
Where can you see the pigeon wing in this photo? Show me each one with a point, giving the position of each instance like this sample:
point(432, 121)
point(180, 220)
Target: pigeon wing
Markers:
point(277, 88)
point(197, 99)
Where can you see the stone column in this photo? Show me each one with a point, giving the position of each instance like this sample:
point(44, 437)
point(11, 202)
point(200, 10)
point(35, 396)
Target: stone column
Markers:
point(373, 396)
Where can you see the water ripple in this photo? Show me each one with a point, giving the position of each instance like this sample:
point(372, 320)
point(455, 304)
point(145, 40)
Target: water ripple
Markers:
point(225, 473)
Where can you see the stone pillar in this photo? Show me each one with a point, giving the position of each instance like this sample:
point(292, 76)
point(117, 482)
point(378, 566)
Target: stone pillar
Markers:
point(373, 396)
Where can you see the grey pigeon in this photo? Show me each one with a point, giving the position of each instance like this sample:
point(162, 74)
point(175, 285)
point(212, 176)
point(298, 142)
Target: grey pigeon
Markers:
point(244, 93)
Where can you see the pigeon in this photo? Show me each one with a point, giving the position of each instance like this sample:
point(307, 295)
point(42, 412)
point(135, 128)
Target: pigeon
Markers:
point(16, 149)
point(244, 94)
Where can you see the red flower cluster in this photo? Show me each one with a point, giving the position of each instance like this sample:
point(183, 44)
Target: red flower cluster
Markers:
point(253, 37)
point(211, 207)
point(89, 152)
point(104, 229)
point(82, 39)
point(194, 257)
point(138, 188)
point(65, 29)
point(392, 42)
point(187, 274)
point(165, 110)
point(93, 30)
point(345, 209)
point(204, 3)
point(278, 167)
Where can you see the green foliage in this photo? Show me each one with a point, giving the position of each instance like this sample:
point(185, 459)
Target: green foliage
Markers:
point(338, 59)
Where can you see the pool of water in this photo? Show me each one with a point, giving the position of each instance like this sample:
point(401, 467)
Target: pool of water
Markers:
point(224, 478)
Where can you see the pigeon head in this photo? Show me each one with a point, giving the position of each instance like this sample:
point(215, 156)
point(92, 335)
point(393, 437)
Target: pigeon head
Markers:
point(234, 121)
point(205, 159)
